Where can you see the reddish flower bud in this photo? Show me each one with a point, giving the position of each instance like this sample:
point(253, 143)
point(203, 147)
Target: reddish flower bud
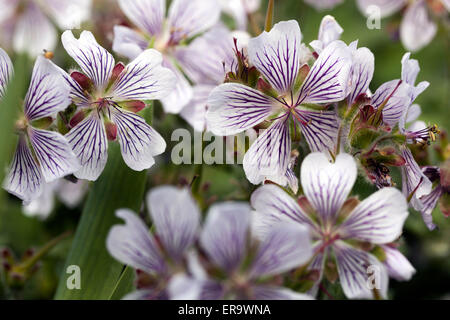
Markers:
point(133, 105)
point(111, 131)
point(84, 82)
point(117, 71)
point(77, 118)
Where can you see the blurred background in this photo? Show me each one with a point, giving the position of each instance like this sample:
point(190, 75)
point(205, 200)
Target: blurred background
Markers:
point(429, 252)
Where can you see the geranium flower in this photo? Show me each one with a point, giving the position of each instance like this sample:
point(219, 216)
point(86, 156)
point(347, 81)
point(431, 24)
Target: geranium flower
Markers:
point(225, 240)
point(344, 231)
point(186, 19)
point(109, 96)
point(417, 28)
point(28, 26)
point(157, 257)
point(234, 108)
point(42, 156)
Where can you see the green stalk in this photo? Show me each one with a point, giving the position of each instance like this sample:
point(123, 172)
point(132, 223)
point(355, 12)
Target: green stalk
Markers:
point(269, 16)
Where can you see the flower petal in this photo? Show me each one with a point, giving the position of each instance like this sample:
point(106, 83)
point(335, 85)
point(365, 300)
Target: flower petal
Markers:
point(286, 246)
point(234, 108)
point(195, 111)
point(69, 14)
point(397, 103)
point(48, 93)
point(148, 15)
point(428, 203)
point(378, 219)
point(188, 18)
point(54, 154)
point(42, 206)
point(144, 79)
point(277, 293)
point(410, 70)
point(183, 287)
point(224, 237)
point(94, 60)
point(25, 179)
point(327, 185)
point(417, 28)
point(362, 73)
point(139, 142)
point(386, 7)
point(176, 217)
point(398, 267)
point(181, 95)
point(128, 42)
point(273, 205)
point(354, 268)
point(328, 79)
point(89, 143)
point(33, 32)
point(8, 9)
point(132, 244)
point(269, 155)
point(6, 71)
point(329, 31)
point(320, 129)
point(276, 54)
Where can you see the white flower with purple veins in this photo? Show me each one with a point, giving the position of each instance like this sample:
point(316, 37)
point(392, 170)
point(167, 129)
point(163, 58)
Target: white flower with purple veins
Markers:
point(185, 20)
point(158, 257)
point(225, 240)
point(240, 10)
point(341, 229)
point(109, 96)
point(206, 61)
point(42, 156)
point(417, 28)
point(234, 108)
point(324, 4)
point(28, 26)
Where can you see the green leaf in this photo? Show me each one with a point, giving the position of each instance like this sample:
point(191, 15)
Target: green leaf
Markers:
point(118, 187)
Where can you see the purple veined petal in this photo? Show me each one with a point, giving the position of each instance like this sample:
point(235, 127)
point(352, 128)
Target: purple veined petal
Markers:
point(144, 79)
point(48, 93)
point(377, 219)
point(272, 205)
point(128, 42)
point(397, 103)
point(329, 31)
point(289, 179)
point(286, 246)
point(139, 142)
point(417, 28)
point(25, 179)
point(148, 15)
point(204, 59)
point(234, 108)
point(317, 263)
point(362, 73)
point(54, 154)
point(355, 267)
point(132, 244)
point(398, 267)
point(276, 54)
point(324, 4)
point(94, 60)
point(387, 7)
point(6, 71)
point(410, 70)
point(188, 18)
point(224, 236)
point(33, 32)
point(428, 203)
point(146, 294)
point(195, 111)
point(269, 155)
point(89, 143)
point(266, 292)
point(320, 129)
point(183, 287)
point(176, 217)
point(327, 185)
point(68, 14)
point(212, 290)
point(414, 180)
point(329, 78)
point(181, 95)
